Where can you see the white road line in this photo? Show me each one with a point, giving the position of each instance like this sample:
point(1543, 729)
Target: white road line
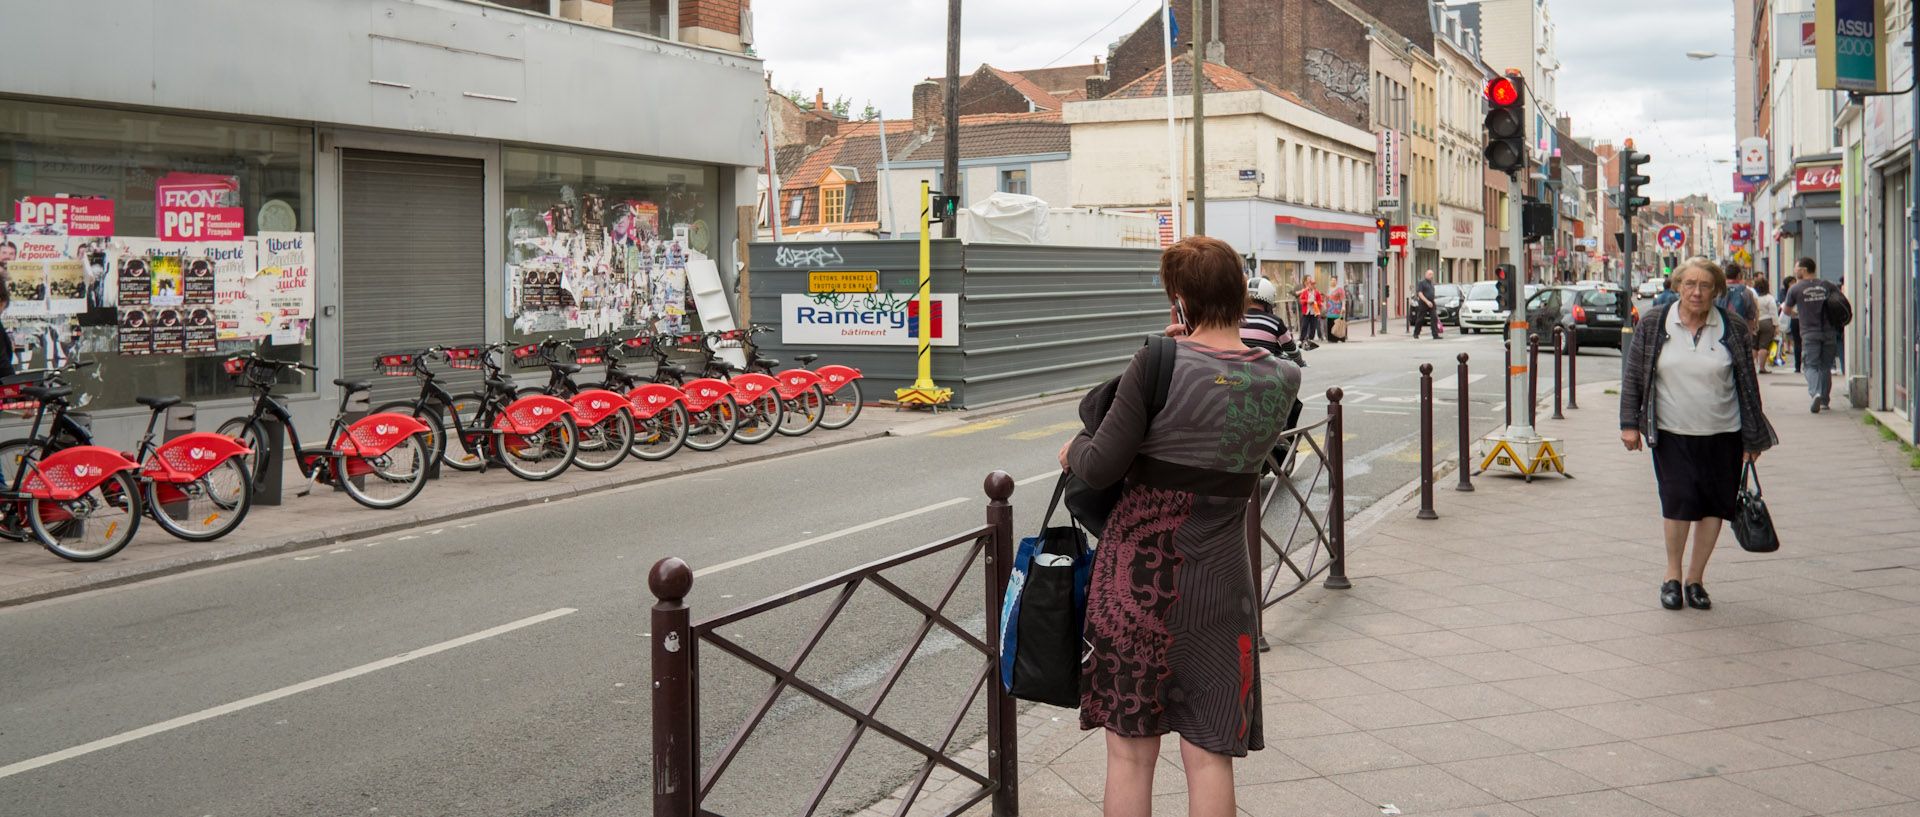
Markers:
point(267, 697)
point(1453, 381)
point(864, 526)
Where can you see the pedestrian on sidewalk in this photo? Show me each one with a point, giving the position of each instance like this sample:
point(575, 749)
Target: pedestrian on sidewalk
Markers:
point(1768, 326)
point(1336, 311)
point(1429, 311)
point(1151, 666)
point(1689, 392)
point(1807, 302)
point(1312, 306)
point(1667, 295)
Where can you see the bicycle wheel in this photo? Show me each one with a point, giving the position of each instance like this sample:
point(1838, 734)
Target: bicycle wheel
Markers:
point(843, 405)
point(604, 444)
point(657, 437)
point(13, 517)
point(205, 509)
point(436, 432)
point(759, 419)
point(804, 412)
point(711, 427)
point(254, 436)
point(462, 412)
point(543, 454)
point(92, 526)
point(388, 480)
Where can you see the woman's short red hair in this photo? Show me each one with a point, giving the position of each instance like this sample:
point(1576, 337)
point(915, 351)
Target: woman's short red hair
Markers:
point(1205, 274)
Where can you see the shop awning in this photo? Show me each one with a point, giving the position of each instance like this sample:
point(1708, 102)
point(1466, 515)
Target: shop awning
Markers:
point(1322, 225)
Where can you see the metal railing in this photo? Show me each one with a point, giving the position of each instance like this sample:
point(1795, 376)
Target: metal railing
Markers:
point(1314, 533)
point(680, 785)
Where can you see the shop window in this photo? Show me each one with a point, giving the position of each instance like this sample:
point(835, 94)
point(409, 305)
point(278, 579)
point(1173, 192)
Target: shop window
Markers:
point(137, 243)
point(833, 205)
point(601, 244)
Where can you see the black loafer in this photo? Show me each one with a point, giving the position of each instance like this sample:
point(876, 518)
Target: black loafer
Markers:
point(1697, 597)
point(1670, 594)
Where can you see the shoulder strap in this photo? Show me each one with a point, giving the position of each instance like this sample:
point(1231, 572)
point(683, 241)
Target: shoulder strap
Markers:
point(1059, 490)
point(1160, 352)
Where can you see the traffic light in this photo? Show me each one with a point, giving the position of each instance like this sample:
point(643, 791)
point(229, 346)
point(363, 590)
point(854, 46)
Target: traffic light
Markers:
point(1503, 275)
point(1536, 219)
point(1631, 180)
point(1506, 124)
point(945, 208)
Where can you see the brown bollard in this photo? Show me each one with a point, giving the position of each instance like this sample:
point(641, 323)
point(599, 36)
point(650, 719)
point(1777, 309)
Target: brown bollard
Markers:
point(1559, 346)
point(1533, 382)
point(1336, 493)
point(1573, 370)
point(1466, 427)
point(674, 775)
point(1426, 442)
point(1003, 718)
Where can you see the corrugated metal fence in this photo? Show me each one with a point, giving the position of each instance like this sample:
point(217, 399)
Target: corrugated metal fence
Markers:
point(1033, 319)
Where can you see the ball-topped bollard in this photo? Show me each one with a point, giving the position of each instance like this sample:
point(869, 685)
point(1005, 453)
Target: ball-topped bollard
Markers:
point(1464, 409)
point(999, 486)
point(1426, 442)
point(670, 579)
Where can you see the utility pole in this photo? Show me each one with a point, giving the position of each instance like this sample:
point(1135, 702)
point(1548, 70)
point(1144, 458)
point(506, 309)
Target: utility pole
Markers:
point(1199, 125)
point(952, 164)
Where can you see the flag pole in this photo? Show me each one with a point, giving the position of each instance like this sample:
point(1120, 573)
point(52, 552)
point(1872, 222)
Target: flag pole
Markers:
point(1175, 190)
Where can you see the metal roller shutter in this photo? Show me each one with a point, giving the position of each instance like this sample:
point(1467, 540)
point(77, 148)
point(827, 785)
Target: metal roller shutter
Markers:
point(413, 261)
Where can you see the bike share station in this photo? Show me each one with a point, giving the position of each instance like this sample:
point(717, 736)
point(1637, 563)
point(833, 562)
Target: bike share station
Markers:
point(1003, 322)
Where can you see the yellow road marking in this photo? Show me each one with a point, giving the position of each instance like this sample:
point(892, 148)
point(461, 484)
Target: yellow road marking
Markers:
point(970, 428)
point(1043, 433)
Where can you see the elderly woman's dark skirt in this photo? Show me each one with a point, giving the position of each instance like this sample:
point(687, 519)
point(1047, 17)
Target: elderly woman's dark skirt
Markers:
point(1698, 476)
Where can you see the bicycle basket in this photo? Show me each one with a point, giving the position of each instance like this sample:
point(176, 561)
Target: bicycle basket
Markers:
point(634, 346)
point(589, 355)
point(529, 356)
point(730, 339)
point(466, 357)
point(234, 365)
point(396, 364)
point(10, 397)
point(693, 341)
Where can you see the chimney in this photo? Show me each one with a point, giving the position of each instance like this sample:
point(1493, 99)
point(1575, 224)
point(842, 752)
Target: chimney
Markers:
point(1096, 65)
point(928, 105)
point(820, 100)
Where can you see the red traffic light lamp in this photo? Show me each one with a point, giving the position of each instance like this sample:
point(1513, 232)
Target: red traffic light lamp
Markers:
point(1506, 124)
point(1500, 92)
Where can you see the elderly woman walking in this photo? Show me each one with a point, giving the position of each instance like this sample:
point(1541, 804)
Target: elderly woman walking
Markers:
point(1689, 392)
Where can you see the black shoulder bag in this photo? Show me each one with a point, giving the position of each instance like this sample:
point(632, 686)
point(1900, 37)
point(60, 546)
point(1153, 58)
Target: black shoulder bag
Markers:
point(1752, 524)
point(1088, 505)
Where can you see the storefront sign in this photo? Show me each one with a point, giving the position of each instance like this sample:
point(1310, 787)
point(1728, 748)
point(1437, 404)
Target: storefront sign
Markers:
point(859, 281)
point(1850, 45)
point(867, 319)
point(86, 218)
point(1397, 235)
point(1819, 178)
point(1386, 166)
point(1426, 230)
point(199, 207)
point(1794, 37)
point(1753, 158)
point(1341, 246)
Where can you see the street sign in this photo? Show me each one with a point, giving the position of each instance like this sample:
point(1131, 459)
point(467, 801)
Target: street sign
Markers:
point(1387, 205)
point(1672, 237)
point(1426, 230)
point(1397, 235)
point(1249, 175)
point(853, 281)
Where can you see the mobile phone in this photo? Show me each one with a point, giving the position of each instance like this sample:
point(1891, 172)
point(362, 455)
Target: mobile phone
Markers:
point(1180, 315)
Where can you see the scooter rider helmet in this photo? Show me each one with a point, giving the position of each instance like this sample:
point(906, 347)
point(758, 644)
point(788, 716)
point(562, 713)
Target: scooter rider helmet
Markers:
point(1262, 290)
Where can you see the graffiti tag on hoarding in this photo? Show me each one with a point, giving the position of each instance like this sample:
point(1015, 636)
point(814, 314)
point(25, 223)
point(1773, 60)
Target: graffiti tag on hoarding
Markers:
point(815, 257)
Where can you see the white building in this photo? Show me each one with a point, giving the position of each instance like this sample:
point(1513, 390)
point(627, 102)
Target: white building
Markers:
point(1461, 165)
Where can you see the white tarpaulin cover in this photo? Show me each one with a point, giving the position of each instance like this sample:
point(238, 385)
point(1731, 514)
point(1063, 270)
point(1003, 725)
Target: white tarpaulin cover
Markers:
point(1009, 218)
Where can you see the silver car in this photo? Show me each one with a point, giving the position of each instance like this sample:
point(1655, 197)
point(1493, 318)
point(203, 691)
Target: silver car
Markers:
point(1480, 309)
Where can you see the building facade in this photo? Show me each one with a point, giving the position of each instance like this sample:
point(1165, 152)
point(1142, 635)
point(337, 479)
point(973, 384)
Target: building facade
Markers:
point(456, 174)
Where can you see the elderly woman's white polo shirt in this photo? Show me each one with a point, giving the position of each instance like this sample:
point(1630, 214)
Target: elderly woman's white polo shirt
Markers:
point(1693, 380)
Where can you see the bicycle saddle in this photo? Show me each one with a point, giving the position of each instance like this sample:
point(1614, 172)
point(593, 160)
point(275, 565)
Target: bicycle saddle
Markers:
point(806, 359)
point(674, 368)
point(765, 363)
point(566, 368)
point(157, 403)
point(352, 385)
point(500, 383)
point(46, 394)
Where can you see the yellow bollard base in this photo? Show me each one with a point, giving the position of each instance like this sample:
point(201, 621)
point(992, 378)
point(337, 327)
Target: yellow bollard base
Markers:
point(923, 396)
point(1526, 457)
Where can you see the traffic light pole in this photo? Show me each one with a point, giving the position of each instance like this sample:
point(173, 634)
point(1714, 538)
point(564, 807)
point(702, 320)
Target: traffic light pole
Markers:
point(1517, 310)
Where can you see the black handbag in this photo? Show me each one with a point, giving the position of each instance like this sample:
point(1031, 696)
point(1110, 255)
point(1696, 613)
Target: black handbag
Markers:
point(1043, 612)
point(1088, 505)
point(1752, 524)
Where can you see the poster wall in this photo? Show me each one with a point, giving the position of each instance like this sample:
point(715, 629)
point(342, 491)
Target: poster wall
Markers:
point(592, 264)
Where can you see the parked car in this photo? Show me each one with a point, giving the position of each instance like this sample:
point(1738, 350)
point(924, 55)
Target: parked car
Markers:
point(1595, 314)
point(1652, 286)
point(1480, 311)
point(1447, 296)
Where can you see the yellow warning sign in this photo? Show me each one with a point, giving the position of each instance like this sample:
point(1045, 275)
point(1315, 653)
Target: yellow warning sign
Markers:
point(844, 281)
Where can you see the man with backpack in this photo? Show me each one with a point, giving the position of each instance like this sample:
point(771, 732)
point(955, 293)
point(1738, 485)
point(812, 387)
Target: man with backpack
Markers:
point(1740, 299)
point(1822, 311)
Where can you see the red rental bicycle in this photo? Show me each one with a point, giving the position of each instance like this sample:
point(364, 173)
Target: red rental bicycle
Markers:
point(839, 385)
point(713, 409)
point(661, 422)
point(761, 407)
point(605, 418)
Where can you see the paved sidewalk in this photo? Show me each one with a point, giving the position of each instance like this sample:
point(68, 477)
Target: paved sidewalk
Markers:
point(1512, 659)
point(30, 572)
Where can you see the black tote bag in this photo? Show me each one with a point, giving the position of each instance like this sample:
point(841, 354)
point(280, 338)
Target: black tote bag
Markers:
point(1043, 613)
point(1752, 524)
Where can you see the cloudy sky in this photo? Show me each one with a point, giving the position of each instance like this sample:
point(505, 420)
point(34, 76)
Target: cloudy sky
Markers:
point(1625, 71)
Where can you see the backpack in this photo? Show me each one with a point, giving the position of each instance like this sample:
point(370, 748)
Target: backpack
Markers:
point(1088, 505)
point(1740, 301)
point(1837, 311)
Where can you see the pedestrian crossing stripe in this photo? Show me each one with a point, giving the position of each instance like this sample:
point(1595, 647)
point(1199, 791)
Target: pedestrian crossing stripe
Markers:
point(1043, 433)
point(970, 428)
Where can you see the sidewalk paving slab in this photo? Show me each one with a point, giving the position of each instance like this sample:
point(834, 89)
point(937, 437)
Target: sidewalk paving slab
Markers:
point(1511, 659)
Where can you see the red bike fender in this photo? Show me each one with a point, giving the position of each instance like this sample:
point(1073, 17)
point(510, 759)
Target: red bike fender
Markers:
point(72, 472)
point(750, 387)
point(376, 434)
point(190, 456)
point(833, 377)
point(705, 392)
point(529, 414)
point(594, 405)
point(653, 398)
point(795, 381)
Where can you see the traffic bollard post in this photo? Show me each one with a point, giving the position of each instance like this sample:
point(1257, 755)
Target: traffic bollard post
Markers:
point(1573, 370)
point(1559, 344)
point(1533, 381)
point(1003, 717)
point(674, 774)
point(1466, 427)
point(1336, 493)
point(1426, 442)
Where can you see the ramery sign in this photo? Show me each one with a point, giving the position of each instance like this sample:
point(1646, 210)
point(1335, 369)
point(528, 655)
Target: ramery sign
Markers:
point(866, 319)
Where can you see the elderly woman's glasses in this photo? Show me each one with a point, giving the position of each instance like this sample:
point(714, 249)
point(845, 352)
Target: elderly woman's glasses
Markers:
point(1690, 285)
